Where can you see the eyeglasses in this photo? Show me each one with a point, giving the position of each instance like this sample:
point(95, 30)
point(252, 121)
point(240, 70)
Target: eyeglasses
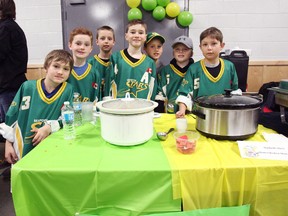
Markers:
point(181, 50)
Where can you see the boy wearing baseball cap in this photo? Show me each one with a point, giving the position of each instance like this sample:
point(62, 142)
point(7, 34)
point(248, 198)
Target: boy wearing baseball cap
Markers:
point(170, 76)
point(153, 47)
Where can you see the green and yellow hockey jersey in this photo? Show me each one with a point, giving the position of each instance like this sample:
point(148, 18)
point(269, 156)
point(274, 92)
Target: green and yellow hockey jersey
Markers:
point(101, 66)
point(87, 84)
point(31, 108)
point(138, 78)
point(199, 82)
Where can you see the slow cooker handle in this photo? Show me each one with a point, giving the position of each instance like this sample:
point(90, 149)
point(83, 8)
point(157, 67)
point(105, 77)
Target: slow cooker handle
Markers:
point(199, 114)
point(228, 92)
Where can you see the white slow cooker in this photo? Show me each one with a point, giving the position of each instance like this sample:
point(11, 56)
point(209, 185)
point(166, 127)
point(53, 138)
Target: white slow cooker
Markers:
point(126, 121)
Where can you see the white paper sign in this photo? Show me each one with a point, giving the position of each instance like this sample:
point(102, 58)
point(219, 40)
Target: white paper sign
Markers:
point(278, 138)
point(263, 150)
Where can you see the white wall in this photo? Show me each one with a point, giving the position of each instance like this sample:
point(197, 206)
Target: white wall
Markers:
point(41, 22)
point(260, 25)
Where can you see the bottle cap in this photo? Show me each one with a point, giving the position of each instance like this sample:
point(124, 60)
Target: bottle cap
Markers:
point(76, 95)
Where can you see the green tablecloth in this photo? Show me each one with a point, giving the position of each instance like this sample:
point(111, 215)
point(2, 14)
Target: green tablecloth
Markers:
point(224, 211)
point(91, 176)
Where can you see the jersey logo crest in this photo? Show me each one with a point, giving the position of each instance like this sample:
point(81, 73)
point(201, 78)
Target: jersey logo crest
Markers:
point(184, 82)
point(95, 85)
point(149, 70)
point(136, 86)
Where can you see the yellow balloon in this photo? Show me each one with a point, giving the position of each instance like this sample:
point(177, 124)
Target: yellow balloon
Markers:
point(172, 9)
point(133, 3)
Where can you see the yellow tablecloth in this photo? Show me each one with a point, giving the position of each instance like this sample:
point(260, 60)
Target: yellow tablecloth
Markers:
point(216, 175)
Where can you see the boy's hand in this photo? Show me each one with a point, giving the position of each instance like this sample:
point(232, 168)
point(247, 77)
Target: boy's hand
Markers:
point(182, 110)
point(10, 154)
point(180, 114)
point(40, 134)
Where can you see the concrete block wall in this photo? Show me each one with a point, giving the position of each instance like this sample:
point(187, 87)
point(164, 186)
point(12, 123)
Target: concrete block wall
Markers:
point(260, 25)
point(42, 24)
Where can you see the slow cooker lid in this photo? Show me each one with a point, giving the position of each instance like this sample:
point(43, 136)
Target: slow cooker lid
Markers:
point(131, 103)
point(126, 106)
point(229, 101)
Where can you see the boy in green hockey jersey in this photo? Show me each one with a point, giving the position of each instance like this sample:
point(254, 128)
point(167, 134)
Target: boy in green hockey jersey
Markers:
point(153, 46)
point(131, 71)
point(35, 109)
point(105, 40)
point(209, 76)
point(171, 76)
point(84, 78)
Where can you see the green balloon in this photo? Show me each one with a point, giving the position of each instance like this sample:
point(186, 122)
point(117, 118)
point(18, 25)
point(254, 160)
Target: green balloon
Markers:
point(163, 3)
point(159, 13)
point(149, 5)
point(185, 18)
point(134, 13)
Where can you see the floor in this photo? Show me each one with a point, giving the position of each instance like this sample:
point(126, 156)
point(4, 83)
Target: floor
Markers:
point(6, 203)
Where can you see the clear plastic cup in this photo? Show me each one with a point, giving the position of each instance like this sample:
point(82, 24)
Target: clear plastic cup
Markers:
point(186, 141)
point(181, 125)
point(87, 112)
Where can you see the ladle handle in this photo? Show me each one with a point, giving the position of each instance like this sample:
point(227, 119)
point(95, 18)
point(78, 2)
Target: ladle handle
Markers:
point(170, 130)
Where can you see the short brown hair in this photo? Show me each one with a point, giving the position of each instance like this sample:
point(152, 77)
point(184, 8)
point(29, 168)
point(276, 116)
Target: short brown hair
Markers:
point(59, 55)
point(105, 27)
point(135, 22)
point(212, 32)
point(80, 30)
point(7, 9)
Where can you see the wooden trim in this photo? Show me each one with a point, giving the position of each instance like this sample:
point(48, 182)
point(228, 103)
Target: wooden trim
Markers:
point(268, 63)
point(35, 66)
point(259, 72)
point(35, 71)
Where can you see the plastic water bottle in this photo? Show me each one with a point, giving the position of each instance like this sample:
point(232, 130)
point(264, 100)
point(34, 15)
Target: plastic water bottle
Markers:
point(94, 119)
point(67, 113)
point(77, 110)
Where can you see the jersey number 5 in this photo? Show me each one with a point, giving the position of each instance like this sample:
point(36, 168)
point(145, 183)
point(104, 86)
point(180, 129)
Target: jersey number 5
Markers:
point(196, 83)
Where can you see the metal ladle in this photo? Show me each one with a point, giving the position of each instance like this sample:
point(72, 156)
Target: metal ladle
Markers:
point(170, 108)
point(164, 135)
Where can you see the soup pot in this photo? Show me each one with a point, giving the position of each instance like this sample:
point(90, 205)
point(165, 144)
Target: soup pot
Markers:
point(127, 121)
point(227, 116)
